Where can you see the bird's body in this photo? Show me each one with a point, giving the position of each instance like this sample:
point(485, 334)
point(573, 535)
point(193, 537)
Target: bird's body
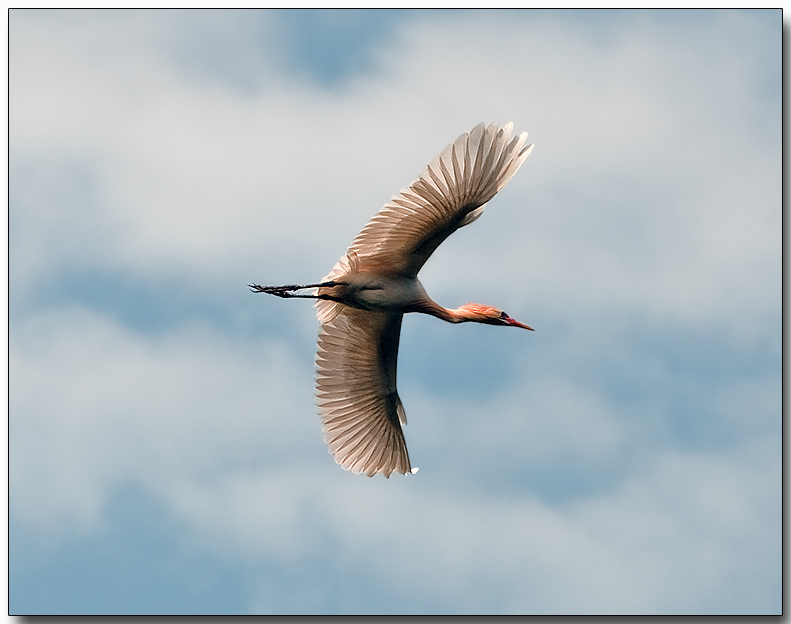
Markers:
point(371, 291)
point(361, 303)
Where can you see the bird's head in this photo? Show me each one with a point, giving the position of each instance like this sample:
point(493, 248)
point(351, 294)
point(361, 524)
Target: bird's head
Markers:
point(480, 313)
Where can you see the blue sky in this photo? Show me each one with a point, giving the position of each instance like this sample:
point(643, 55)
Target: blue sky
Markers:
point(165, 452)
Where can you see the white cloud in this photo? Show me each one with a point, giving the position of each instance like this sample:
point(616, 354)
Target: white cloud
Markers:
point(634, 197)
point(225, 434)
point(650, 208)
point(668, 540)
point(96, 405)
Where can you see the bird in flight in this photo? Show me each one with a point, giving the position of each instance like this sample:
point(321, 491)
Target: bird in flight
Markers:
point(361, 303)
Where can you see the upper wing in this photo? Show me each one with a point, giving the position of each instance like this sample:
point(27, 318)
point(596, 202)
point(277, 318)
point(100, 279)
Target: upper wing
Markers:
point(356, 393)
point(449, 194)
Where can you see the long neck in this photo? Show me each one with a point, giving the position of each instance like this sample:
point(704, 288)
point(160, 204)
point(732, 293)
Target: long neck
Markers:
point(458, 315)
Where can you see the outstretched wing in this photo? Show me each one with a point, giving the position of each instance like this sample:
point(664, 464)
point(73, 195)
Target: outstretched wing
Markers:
point(356, 393)
point(449, 194)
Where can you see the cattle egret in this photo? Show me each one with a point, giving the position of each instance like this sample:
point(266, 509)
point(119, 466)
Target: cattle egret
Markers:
point(361, 302)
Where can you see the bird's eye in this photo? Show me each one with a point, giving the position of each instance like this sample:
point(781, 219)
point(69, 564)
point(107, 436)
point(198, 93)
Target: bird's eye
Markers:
point(503, 315)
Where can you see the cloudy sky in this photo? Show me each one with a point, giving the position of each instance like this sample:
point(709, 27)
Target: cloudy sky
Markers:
point(166, 456)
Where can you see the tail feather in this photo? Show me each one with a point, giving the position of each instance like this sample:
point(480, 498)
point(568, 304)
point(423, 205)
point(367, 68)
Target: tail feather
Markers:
point(327, 310)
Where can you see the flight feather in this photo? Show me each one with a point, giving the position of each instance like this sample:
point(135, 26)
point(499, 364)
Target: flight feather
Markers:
point(356, 391)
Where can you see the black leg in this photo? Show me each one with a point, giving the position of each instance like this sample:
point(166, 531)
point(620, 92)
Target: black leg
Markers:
point(289, 290)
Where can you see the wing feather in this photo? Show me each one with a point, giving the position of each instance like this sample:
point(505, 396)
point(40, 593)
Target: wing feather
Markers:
point(356, 391)
point(466, 175)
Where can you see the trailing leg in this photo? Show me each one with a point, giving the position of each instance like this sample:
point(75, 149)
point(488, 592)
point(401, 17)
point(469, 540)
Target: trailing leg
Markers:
point(291, 290)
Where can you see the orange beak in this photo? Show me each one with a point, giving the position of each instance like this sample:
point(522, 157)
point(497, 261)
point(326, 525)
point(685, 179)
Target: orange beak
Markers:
point(518, 324)
point(515, 323)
